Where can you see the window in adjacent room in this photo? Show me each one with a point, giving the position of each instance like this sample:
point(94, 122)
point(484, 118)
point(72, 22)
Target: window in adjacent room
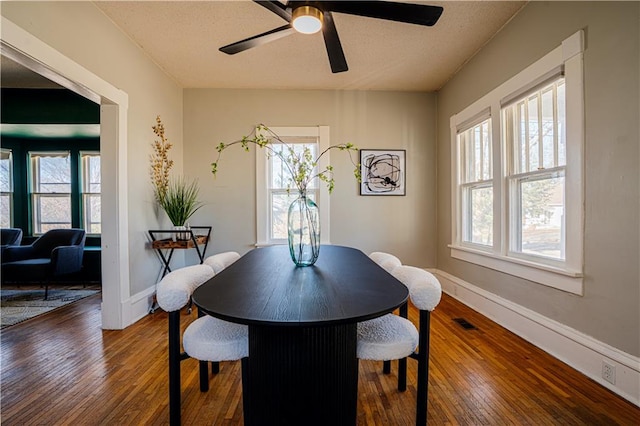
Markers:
point(517, 185)
point(90, 169)
point(50, 189)
point(6, 188)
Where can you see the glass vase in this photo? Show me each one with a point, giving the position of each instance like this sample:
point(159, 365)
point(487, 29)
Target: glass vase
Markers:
point(304, 230)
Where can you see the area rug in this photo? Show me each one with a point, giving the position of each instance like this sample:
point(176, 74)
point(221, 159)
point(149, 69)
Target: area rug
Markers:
point(20, 305)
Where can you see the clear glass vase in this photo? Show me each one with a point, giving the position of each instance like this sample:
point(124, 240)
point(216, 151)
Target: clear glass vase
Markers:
point(304, 230)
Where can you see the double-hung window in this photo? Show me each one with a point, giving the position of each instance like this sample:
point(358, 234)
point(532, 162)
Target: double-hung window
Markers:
point(6, 188)
point(476, 183)
point(535, 136)
point(90, 169)
point(517, 186)
point(50, 190)
point(275, 189)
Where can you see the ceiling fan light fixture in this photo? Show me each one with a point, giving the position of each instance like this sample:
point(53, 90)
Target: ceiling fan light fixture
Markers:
point(306, 19)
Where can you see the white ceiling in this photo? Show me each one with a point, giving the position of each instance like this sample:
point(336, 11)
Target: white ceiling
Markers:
point(183, 38)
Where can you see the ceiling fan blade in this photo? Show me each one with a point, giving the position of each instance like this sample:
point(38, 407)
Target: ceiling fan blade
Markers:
point(401, 12)
point(277, 8)
point(334, 47)
point(258, 40)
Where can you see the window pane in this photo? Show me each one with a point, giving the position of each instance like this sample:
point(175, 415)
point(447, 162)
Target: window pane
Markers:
point(91, 192)
point(6, 187)
point(5, 211)
point(91, 173)
point(52, 174)
point(51, 212)
point(475, 153)
point(92, 213)
point(480, 228)
point(280, 202)
point(538, 136)
point(542, 216)
point(6, 178)
point(280, 174)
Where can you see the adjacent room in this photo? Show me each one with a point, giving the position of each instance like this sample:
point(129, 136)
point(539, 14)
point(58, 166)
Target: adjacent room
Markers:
point(412, 212)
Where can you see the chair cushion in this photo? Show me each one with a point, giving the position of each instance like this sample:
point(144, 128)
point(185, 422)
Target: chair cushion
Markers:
point(174, 290)
point(220, 261)
point(212, 339)
point(26, 270)
point(385, 260)
point(387, 337)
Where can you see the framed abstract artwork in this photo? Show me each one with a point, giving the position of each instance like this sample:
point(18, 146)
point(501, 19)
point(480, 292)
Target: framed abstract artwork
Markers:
point(382, 171)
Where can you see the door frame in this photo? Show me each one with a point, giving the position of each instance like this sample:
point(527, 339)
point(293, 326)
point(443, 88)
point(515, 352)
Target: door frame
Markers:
point(27, 50)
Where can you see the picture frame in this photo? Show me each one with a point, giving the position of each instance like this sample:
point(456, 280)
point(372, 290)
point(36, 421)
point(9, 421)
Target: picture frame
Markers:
point(383, 172)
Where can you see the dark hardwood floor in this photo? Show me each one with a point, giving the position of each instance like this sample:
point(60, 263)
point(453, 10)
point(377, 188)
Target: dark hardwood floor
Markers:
point(62, 369)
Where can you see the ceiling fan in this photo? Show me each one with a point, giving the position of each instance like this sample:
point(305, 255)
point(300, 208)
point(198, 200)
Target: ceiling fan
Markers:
point(309, 17)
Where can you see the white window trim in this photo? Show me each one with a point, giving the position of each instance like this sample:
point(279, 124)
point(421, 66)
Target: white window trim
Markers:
point(262, 176)
point(567, 277)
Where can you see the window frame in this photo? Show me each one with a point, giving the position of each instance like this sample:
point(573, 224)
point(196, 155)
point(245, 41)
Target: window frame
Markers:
point(467, 184)
point(35, 197)
point(263, 210)
point(566, 275)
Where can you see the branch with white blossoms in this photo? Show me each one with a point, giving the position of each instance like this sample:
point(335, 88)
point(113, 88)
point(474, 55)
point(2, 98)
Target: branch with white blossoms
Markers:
point(301, 165)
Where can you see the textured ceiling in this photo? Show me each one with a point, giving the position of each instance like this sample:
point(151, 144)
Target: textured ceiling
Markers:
point(183, 38)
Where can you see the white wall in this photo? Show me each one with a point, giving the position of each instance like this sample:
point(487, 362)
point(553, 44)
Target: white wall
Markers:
point(404, 226)
point(81, 32)
point(609, 311)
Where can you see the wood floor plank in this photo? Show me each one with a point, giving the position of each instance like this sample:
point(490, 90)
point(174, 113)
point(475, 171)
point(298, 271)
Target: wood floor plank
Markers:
point(62, 369)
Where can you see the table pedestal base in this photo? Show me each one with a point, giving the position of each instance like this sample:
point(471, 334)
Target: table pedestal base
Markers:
point(300, 376)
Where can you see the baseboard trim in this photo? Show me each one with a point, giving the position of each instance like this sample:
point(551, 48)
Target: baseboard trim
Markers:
point(570, 346)
point(139, 305)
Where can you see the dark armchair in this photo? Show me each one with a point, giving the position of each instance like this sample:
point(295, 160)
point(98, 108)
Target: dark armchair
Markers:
point(53, 255)
point(10, 237)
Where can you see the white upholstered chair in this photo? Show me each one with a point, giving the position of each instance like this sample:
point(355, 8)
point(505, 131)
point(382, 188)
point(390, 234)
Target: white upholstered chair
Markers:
point(387, 261)
point(394, 337)
point(206, 339)
point(219, 261)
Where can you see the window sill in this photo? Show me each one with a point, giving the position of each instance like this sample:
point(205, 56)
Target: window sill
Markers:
point(561, 279)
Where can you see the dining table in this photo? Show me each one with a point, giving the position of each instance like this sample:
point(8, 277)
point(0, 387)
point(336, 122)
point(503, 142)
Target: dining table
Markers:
point(302, 367)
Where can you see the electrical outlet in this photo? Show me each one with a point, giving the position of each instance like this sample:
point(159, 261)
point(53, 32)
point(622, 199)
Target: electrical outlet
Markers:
point(609, 372)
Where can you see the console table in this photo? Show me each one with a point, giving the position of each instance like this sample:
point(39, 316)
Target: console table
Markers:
point(193, 240)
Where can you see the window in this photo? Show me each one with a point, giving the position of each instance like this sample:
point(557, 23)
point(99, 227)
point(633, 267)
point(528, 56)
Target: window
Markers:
point(535, 130)
point(517, 173)
point(272, 181)
point(282, 190)
point(6, 188)
point(476, 181)
point(90, 168)
point(50, 190)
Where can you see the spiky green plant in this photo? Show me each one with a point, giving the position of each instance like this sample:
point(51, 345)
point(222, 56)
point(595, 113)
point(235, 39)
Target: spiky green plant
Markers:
point(180, 200)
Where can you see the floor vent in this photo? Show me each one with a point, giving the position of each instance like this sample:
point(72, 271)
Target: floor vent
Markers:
point(465, 324)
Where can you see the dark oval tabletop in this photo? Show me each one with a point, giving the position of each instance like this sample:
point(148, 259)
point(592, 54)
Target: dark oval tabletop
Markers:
point(264, 287)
